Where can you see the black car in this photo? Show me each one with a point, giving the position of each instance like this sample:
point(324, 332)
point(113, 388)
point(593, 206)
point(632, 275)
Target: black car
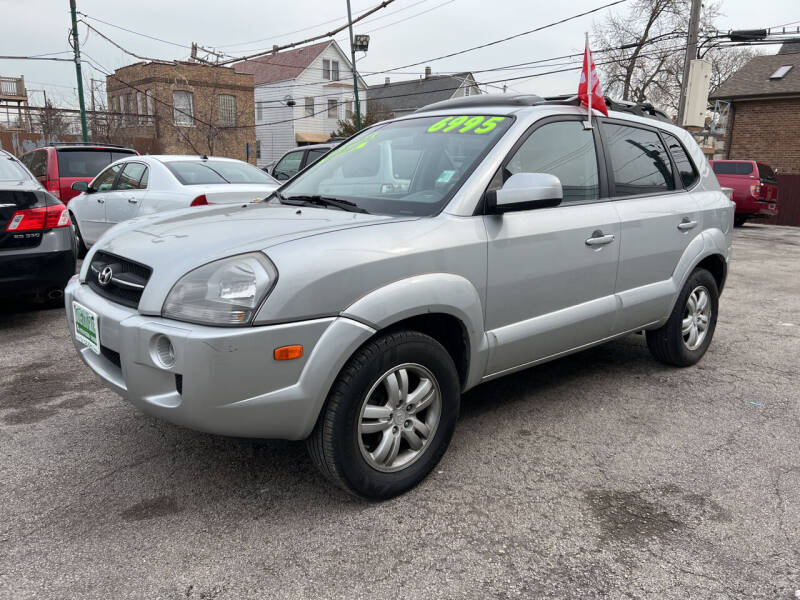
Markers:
point(37, 244)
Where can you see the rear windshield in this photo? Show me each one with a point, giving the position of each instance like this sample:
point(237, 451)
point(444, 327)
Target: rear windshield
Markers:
point(733, 168)
point(87, 163)
point(10, 170)
point(766, 173)
point(196, 172)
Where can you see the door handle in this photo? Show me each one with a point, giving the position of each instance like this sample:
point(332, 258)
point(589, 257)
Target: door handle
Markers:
point(598, 239)
point(133, 200)
point(686, 224)
point(100, 201)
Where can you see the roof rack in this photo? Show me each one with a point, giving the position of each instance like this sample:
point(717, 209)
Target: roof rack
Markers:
point(62, 144)
point(640, 109)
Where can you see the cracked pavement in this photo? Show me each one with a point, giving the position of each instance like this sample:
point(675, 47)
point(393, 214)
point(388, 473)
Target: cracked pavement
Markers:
point(601, 475)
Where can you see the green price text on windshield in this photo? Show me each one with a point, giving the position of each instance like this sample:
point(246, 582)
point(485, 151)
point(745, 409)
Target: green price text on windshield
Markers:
point(466, 124)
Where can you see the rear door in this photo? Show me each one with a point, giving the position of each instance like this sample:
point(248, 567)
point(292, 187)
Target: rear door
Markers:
point(92, 212)
point(659, 219)
point(127, 200)
point(549, 288)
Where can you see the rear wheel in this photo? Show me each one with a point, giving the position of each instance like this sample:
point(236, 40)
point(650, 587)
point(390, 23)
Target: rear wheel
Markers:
point(389, 416)
point(739, 220)
point(685, 337)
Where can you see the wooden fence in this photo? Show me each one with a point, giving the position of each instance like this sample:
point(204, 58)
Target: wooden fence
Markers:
point(788, 201)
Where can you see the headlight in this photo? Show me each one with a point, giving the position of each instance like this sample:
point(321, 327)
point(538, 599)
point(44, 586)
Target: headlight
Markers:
point(224, 292)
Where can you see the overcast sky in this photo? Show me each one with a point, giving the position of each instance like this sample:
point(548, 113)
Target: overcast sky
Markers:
point(407, 31)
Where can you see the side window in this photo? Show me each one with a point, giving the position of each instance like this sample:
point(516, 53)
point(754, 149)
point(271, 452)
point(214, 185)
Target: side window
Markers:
point(131, 176)
point(36, 162)
point(564, 149)
point(104, 181)
point(688, 173)
point(288, 165)
point(314, 155)
point(638, 159)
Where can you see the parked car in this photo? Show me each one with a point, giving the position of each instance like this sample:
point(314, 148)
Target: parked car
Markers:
point(355, 306)
point(58, 166)
point(294, 161)
point(754, 185)
point(37, 248)
point(143, 185)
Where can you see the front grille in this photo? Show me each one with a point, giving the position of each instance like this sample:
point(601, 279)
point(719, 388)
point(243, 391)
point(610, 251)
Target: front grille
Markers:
point(123, 283)
point(111, 356)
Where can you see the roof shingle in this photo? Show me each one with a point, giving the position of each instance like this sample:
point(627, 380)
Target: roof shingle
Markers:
point(281, 66)
point(404, 96)
point(753, 79)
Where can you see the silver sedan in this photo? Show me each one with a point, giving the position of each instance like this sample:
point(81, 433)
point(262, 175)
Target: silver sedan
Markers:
point(144, 185)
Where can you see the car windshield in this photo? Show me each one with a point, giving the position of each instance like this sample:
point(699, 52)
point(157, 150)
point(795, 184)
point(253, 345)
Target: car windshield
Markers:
point(87, 163)
point(408, 167)
point(10, 170)
point(202, 172)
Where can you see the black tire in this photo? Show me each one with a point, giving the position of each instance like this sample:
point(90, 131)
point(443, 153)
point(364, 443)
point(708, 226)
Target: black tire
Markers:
point(335, 443)
point(667, 343)
point(739, 220)
point(80, 248)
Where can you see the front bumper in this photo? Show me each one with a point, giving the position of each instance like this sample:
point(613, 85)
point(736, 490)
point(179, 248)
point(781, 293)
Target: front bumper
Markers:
point(224, 380)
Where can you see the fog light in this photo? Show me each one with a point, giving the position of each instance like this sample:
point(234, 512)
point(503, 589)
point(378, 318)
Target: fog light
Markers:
point(163, 352)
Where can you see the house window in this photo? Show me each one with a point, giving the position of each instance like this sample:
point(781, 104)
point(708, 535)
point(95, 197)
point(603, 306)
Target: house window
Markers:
point(226, 110)
point(335, 70)
point(333, 109)
point(258, 149)
point(466, 91)
point(140, 106)
point(148, 96)
point(326, 68)
point(259, 111)
point(348, 110)
point(183, 108)
point(309, 107)
point(130, 109)
point(781, 72)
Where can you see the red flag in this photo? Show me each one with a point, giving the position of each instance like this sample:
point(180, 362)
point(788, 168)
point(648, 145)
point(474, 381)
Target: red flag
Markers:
point(598, 100)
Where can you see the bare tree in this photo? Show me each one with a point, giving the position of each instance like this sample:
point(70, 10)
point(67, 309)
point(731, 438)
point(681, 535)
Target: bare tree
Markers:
point(650, 66)
point(376, 112)
point(52, 122)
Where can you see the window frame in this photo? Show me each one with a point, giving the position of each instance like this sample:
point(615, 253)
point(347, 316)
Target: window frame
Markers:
point(310, 105)
point(676, 177)
point(113, 187)
point(602, 173)
point(326, 69)
point(335, 106)
point(334, 70)
point(225, 123)
point(675, 168)
point(180, 110)
point(116, 188)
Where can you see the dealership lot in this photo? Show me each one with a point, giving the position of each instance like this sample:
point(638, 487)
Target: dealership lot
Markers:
point(604, 474)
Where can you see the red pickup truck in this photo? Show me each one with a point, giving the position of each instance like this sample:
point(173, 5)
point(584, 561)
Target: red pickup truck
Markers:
point(755, 188)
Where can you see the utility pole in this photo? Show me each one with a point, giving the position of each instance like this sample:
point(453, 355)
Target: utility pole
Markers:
point(76, 48)
point(691, 54)
point(353, 59)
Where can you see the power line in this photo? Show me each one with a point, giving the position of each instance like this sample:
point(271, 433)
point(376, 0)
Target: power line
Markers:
point(53, 58)
point(109, 40)
point(83, 14)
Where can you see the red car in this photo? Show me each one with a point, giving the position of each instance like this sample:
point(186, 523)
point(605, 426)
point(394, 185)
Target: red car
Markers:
point(58, 166)
point(755, 188)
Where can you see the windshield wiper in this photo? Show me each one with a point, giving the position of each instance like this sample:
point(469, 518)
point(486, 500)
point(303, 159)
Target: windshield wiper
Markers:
point(317, 200)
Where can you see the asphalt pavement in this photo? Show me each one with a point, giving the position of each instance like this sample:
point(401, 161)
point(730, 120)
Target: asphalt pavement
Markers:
point(601, 475)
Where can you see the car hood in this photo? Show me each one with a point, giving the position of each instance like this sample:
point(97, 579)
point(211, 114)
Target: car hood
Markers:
point(177, 242)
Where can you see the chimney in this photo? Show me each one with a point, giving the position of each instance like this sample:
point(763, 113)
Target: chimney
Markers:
point(427, 72)
point(386, 81)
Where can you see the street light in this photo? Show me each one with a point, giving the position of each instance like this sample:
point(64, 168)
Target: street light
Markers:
point(361, 43)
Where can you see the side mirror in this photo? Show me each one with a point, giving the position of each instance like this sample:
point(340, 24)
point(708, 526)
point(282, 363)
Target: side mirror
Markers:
point(80, 186)
point(525, 191)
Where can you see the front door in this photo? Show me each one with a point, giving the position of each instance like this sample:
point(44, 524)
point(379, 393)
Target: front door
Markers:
point(128, 198)
point(552, 271)
point(659, 219)
point(93, 214)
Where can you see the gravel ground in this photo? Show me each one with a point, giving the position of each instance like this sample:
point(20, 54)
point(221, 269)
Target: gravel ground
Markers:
point(601, 475)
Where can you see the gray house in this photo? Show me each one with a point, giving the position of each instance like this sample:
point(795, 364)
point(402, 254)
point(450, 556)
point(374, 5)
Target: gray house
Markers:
point(404, 97)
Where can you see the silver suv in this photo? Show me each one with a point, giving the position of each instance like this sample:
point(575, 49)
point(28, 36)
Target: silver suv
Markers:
point(426, 255)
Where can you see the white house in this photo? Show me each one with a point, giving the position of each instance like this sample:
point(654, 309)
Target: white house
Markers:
point(404, 97)
point(300, 95)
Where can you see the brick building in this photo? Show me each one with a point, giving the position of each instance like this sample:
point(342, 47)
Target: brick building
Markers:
point(764, 116)
point(189, 108)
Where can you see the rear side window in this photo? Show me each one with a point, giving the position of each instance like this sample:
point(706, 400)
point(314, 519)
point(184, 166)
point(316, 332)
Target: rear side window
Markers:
point(766, 173)
point(85, 163)
point(564, 149)
point(639, 160)
point(733, 168)
point(36, 162)
point(686, 169)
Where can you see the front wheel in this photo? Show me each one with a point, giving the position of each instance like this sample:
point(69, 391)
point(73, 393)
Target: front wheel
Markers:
point(389, 416)
point(685, 337)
